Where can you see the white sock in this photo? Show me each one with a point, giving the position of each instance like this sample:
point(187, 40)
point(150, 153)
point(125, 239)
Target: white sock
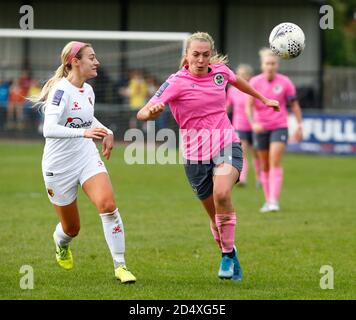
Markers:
point(62, 238)
point(114, 235)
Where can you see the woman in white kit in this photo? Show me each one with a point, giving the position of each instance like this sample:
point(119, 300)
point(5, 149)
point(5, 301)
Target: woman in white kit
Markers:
point(70, 156)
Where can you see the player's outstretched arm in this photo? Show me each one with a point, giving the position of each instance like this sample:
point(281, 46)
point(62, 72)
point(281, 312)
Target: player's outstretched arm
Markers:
point(150, 111)
point(245, 87)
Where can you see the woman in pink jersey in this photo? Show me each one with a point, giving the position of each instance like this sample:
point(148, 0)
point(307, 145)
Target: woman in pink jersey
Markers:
point(211, 149)
point(237, 100)
point(271, 128)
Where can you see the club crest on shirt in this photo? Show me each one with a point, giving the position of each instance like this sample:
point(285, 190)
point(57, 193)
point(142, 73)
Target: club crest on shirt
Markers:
point(277, 88)
point(219, 79)
point(50, 192)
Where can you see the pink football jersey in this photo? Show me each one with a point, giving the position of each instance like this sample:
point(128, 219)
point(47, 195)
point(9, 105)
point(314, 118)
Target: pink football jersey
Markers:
point(281, 89)
point(237, 99)
point(198, 105)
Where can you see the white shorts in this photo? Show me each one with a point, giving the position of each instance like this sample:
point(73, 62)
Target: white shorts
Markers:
point(62, 188)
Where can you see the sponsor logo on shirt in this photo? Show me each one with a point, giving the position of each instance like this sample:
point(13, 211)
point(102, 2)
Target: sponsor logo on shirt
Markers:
point(219, 79)
point(77, 123)
point(57, 97)
point(76, 106)
point(161, 89)
point(277, 88)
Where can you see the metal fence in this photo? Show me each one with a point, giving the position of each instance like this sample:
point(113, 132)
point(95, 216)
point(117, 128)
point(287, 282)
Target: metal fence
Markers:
point(339, 98)
point(340, 89)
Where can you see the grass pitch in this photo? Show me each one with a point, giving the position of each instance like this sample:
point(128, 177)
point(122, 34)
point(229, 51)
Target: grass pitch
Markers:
point(168, 241)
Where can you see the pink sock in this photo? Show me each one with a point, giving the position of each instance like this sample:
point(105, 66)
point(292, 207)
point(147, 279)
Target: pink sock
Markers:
point(265, 184)
point(275, 183)
point(226, 226)
point(215, 232)
point(256, 165)
point(243, 176)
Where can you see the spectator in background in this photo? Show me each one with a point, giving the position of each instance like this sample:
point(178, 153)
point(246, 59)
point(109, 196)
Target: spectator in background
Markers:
point(18, 92)
point(4, 100)
point(34, 88)
point(14, 115)
point(25, 81)
point(35, 118)
point(136, 91)
point(4, 94)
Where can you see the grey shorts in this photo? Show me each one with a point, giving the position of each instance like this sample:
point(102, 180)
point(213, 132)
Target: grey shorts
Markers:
point(261, 141)
point(200, 173)
point(245, 135)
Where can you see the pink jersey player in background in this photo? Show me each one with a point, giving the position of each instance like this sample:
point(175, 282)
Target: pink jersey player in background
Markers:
point(271, 128)
point(196, 95)
point(237, 100)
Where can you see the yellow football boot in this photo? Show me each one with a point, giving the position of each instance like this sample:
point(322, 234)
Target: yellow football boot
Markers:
point(63, 256)
point(124, 275)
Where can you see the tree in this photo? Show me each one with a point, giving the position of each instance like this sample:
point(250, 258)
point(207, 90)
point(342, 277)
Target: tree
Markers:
point(340, 42)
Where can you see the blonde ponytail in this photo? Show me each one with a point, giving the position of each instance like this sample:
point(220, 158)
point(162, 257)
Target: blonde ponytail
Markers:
point(62, 71)
point(206, 37)
point(42, 97)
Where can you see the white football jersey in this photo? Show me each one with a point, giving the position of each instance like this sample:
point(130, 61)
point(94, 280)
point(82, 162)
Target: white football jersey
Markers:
point(75, 109)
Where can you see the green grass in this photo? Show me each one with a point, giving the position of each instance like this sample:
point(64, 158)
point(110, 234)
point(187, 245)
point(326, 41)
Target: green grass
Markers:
point(169, 245)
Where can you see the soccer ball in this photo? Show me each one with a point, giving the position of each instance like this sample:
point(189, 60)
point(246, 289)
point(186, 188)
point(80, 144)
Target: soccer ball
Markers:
point(287, 40)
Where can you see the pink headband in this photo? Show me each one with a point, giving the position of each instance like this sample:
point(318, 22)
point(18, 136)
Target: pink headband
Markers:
point(75, 49)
